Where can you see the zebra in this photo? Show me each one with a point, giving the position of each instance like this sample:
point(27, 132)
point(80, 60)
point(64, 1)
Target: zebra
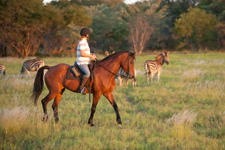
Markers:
point(123, 73)
point(155, 66)
point(2, 70)
point(31, 65)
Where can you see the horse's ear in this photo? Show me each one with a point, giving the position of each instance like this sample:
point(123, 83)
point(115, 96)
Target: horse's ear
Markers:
point(133, 53)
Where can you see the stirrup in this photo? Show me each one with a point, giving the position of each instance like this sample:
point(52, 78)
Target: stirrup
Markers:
point(83, 91)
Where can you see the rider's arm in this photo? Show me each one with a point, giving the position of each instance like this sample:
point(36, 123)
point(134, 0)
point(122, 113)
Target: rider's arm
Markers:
point(83, 54)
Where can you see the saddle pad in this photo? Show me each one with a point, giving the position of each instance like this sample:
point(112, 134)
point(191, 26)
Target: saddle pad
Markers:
point(70, 75)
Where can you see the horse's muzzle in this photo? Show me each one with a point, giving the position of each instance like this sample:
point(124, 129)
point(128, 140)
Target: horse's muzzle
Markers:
point(167, 63)
point(130, 76)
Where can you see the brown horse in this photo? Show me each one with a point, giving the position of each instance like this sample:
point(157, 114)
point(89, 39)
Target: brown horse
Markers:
point(103, 82)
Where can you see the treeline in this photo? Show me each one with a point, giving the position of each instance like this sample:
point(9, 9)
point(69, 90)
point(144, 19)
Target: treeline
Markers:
point(28, 27)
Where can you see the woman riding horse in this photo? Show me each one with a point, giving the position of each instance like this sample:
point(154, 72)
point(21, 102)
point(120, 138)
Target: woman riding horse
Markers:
point(103, 82)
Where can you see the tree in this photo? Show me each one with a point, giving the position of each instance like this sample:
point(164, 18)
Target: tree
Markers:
point(192, 27)
point(220, 28)
point(19, 33)
point(28, 26)
point(109, 27)
point(62, 37)
point(216, 7)
point(96, 2)
point(178, 7)
point(140, 32)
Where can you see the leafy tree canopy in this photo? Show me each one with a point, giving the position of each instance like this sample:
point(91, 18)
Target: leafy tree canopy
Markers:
point(194, 25)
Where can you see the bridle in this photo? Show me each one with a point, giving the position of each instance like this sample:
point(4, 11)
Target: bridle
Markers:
point(118, 74)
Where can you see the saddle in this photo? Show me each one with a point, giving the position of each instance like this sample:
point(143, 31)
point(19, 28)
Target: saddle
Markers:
point(70, 75)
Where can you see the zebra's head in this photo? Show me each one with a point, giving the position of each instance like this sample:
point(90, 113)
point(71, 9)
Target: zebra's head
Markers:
point(166, 57)
point(163, 58)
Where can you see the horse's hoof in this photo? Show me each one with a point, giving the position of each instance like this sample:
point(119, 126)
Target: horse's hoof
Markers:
point(119, 122)
point(56, 120)
point(45, 118)
point(92, 125)
point(120, 125)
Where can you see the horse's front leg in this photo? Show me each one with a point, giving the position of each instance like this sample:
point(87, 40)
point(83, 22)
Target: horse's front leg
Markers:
point(110, 98)
point(96, 97)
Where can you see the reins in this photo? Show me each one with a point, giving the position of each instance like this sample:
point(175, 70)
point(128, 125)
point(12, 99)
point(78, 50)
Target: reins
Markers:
point(118, 74)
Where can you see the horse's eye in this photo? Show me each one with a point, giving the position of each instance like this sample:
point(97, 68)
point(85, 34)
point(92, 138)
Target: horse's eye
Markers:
point(131, 62)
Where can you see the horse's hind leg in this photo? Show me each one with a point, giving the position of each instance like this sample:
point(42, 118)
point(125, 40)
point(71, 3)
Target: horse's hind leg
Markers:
point(55, 105)
point(44, 102)
point(110, 98)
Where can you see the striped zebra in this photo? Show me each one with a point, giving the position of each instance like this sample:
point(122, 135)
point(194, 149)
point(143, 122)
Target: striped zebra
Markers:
point(155, 66)
point(2, 70)
point(31, 65)
point(123, 73)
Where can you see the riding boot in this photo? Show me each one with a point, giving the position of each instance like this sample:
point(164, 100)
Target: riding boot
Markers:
point(82, 89)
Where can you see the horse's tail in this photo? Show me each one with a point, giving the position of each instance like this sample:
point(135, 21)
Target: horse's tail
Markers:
point(38, 84)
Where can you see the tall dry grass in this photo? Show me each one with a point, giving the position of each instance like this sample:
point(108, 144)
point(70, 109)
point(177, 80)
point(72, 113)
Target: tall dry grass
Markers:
point(184, 110)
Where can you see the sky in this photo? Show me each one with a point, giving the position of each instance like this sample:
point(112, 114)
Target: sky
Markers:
point(126, 1)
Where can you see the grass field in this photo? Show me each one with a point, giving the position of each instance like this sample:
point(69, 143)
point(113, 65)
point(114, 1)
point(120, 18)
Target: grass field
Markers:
point(184, 110)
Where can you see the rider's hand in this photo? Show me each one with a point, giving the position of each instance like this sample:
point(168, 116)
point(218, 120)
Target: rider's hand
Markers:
point(93, 57)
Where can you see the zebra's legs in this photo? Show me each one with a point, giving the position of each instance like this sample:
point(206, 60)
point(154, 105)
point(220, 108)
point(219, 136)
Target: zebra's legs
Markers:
point(147, 78)
point(120, 81)
point(152, 76)
point(127, 82)
point(27, 72)
point(2, 73)
point(44, 102)
point(158, 76)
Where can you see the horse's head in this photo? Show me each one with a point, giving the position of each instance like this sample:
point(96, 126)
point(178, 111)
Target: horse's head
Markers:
point(128, 65)
point(164, 57)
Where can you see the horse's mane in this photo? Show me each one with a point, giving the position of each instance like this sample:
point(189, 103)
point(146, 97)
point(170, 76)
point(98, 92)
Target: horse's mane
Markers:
point(114, 55)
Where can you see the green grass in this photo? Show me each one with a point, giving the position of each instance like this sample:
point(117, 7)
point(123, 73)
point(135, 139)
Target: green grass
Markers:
point(184, 110)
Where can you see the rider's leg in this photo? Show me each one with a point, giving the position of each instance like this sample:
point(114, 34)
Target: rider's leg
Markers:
point(84, 68)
